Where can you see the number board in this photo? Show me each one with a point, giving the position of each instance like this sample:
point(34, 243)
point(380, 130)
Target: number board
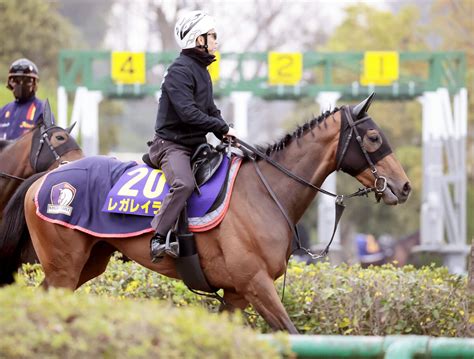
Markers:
point(214, 68)
point(140, 191)
point(128, 67)
point(380, 68)
point(285, 68)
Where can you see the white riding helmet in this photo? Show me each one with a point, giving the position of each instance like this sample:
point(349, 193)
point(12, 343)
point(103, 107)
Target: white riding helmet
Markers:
point(190, 26)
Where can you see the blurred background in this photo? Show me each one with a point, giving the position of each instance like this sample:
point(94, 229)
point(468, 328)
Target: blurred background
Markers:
point(41, 29)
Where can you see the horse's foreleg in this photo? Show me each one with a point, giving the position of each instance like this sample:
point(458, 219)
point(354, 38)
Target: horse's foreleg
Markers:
point(233, 301)
point(261, 293)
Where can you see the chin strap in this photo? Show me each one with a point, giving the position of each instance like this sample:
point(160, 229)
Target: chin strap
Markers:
point(205, 46)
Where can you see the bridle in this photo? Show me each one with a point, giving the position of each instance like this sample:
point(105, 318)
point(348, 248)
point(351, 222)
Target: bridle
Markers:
point(41, 160)
point(380, 182)
point(379, 186)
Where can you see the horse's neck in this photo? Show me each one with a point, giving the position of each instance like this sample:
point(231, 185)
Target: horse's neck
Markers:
point(14, 160)
point(311, 157)
point(71, 155)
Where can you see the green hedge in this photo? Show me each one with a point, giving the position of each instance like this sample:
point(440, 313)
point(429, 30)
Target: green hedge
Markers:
point(322, 299)
point(379, 301)
point(59, 324)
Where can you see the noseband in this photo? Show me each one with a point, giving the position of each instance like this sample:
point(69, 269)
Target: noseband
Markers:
point(41, 160)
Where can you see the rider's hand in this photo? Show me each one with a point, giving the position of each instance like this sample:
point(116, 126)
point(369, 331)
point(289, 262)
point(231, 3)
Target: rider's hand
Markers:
point(231, 133)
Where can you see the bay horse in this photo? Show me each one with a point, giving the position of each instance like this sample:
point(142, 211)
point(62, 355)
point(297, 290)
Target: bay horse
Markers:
point(41, 149)
point(250, 248)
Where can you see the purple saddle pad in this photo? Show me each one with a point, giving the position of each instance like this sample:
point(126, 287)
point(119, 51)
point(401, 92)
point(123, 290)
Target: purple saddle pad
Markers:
point(98, 194)
point(141, 189)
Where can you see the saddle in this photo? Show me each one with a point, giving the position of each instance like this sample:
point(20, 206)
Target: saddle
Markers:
point(204, 163)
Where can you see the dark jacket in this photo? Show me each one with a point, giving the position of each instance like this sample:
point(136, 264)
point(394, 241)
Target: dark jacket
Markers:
point(18, 117)
point(187, 111)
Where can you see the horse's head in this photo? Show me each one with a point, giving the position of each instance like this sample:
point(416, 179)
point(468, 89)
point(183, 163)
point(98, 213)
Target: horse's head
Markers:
point(42, 148)
point(52, 144)
point(364, 152)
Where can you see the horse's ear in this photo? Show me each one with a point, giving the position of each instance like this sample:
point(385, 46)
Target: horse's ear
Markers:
point(363, 107)
point(69, 129)
point(47, 118)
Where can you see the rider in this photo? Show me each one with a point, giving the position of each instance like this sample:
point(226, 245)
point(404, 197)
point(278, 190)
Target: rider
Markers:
point(21, 115)
point(186, 113)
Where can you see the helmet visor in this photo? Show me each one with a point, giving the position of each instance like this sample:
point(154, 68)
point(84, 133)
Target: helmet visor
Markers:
point(23, 70)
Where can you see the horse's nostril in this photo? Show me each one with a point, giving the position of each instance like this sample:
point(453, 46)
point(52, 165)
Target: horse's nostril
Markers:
point(407, 189)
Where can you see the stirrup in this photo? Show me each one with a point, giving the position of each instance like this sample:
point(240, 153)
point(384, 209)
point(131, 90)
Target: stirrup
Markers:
point(171, 247)
point(164, 246)
point(157, 247)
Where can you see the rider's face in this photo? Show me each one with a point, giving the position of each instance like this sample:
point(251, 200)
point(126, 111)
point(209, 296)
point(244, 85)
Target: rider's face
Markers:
point(212, 41)
point(23, 87)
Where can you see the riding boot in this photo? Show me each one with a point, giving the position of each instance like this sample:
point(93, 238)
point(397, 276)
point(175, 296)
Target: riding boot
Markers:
point(161, 245)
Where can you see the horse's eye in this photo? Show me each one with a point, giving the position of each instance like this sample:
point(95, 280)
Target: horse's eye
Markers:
point(374, 137)
point(372, 140)
point(60, 138)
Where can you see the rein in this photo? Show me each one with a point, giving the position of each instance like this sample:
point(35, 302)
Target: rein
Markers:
point(9, 176)
point(253, 153)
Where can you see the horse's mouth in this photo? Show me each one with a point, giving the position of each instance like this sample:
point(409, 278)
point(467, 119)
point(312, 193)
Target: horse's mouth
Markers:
point(391, 197)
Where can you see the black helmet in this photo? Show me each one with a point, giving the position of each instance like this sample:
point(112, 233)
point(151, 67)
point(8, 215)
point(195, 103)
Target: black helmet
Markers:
point(22, 67)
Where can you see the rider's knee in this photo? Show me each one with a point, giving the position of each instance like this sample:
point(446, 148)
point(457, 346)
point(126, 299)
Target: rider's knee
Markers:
point(184, 185)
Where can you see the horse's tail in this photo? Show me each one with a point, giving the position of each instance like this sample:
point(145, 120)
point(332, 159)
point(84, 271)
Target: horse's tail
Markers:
point(14, 233)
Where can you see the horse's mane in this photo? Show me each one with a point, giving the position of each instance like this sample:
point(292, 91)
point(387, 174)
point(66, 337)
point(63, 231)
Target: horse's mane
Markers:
point(297, 133)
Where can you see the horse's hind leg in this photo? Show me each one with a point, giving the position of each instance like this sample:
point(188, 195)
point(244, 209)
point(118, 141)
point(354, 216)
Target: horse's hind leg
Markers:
point(261, 293)
point(62, 252)
point(96, 263)
point(28, 254)
point(63, 260)
point(63, 264)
